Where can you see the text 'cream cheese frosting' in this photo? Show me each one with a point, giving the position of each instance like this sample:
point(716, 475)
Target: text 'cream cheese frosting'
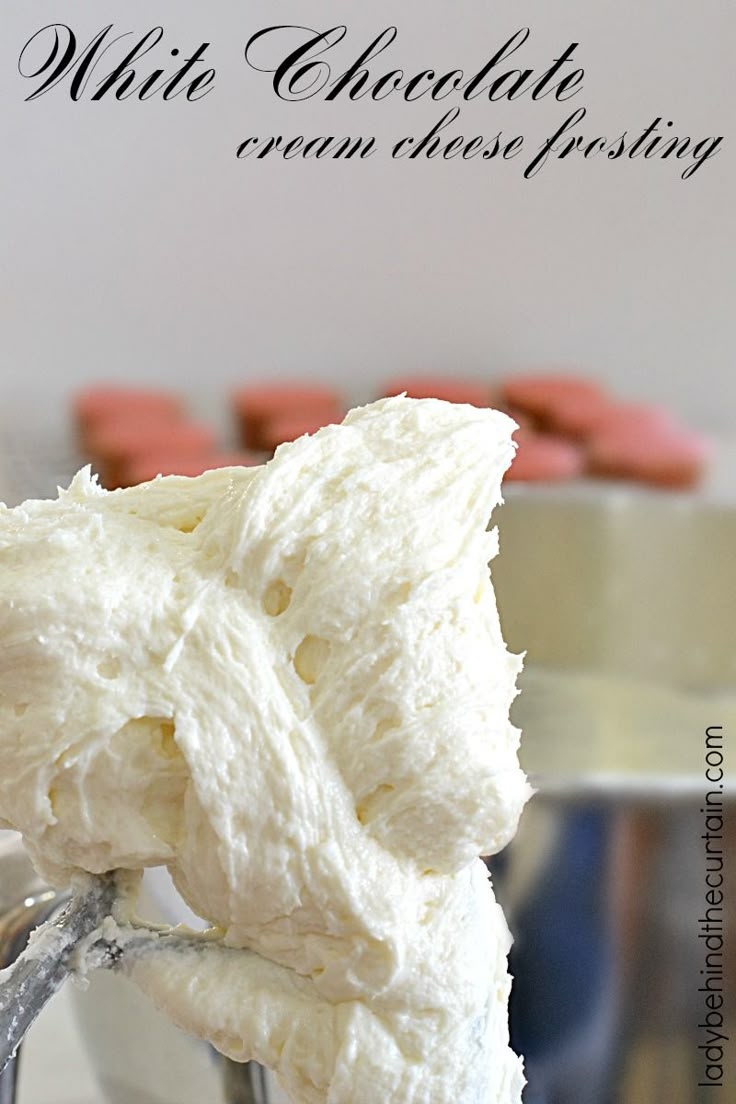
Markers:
point(288, 684)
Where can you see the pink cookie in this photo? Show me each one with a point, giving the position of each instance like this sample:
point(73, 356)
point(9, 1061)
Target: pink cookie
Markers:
point(664, 456)
point(468, 391)
point(539, 395)
point(147, 467)
point(541, 458)
point(258, 405)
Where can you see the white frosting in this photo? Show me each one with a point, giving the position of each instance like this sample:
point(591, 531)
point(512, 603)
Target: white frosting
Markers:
point(289, 685)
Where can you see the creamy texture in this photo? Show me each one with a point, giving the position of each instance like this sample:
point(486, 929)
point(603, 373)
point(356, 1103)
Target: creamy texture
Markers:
point(289, 685)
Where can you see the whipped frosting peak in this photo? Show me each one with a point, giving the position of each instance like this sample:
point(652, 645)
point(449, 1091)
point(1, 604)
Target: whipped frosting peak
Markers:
point(289, 685)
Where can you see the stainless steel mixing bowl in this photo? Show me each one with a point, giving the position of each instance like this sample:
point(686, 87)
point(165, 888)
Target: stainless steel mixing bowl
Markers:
point(625, 602)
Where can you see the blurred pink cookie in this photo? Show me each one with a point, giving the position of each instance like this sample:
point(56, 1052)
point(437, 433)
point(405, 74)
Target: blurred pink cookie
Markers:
point(541, 458)
point(472, 392)
point(664, 455)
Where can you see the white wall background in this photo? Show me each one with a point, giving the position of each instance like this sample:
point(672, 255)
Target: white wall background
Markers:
point(135, 246)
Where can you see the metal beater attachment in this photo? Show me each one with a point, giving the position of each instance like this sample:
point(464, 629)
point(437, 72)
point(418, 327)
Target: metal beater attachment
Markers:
point(41, 933)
